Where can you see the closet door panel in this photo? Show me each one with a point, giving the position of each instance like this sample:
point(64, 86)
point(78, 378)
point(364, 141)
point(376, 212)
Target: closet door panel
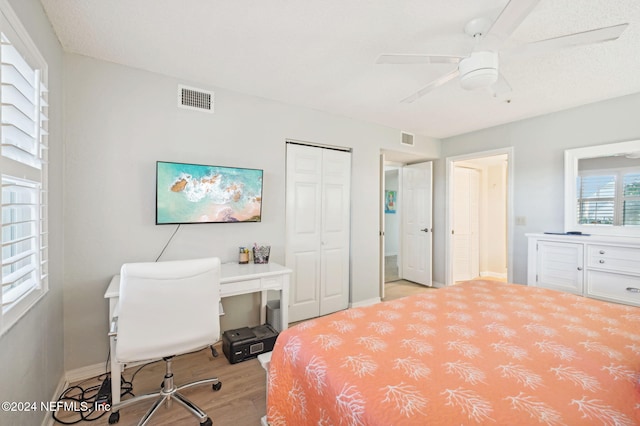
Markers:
point(336, 219)
point(304, 299)
point(303, 229)
point(305, 218)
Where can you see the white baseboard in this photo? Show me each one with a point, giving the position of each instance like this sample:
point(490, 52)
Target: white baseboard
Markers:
point(436, 284)
point(62, 385)
point(84, 373)
point(365, 303)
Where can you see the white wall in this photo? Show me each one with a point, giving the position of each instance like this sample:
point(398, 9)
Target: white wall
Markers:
point(119, 121)
point(31, 352)
point(538, 165)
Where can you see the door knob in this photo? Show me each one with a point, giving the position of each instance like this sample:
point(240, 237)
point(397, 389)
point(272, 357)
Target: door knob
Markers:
point(425, 230)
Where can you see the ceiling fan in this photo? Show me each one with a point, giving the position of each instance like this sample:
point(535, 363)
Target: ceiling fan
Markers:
point(480, 67)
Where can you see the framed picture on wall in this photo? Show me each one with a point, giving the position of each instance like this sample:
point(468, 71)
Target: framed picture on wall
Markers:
point(390, 201)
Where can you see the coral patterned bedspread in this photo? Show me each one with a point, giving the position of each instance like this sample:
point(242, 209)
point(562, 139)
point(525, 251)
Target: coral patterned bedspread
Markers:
point(478, 353)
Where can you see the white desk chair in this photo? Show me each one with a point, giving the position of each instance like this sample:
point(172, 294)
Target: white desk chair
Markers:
point(167, 309)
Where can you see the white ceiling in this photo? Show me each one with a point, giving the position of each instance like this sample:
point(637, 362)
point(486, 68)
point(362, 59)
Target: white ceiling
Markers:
point(321, 53)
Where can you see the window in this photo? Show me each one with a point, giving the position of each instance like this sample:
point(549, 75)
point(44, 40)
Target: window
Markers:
point(23, 165)
point(609, 197)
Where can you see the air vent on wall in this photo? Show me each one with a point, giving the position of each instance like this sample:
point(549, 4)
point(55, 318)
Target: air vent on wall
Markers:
point(197, 99)
point(407, 139)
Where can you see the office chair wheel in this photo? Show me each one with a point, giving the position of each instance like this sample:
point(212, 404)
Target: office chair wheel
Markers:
point(114, 417)
point(207, 422)
point(216, 386)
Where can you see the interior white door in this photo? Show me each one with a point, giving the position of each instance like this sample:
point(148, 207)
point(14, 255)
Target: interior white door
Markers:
point(466, 263)
point(317, 230)
point(417, 240)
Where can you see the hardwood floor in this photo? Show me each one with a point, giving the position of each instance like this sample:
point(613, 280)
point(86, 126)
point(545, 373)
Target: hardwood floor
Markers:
point(240, 402)
point(401, 288)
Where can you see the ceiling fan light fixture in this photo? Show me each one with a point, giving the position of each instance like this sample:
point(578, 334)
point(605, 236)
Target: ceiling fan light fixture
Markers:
point(480, 69)
point(476, 79)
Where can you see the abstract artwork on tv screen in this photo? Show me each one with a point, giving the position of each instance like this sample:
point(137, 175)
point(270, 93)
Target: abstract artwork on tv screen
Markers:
point(195, 193)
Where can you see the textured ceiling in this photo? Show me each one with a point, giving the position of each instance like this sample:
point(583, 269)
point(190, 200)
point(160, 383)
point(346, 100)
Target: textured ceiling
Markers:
point(321, 54)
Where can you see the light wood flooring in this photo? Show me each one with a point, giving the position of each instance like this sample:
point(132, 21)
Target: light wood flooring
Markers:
point(401, 288)
point(240, 402)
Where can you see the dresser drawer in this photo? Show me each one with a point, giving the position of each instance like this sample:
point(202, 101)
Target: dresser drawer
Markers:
point(612, 258)
point(615, 287)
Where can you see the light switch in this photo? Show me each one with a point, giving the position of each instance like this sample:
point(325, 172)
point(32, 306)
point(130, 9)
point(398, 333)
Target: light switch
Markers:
point(521, 220)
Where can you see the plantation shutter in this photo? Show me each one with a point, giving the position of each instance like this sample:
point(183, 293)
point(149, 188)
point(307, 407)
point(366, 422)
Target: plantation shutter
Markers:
point(23, 166)
point(596, 199)
point(631, 199)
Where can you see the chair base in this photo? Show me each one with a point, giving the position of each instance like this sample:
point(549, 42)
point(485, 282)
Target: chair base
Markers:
point(166, 395)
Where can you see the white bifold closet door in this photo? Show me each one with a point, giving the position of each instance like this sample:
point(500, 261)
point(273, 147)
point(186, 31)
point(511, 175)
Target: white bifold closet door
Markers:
point(317, 229)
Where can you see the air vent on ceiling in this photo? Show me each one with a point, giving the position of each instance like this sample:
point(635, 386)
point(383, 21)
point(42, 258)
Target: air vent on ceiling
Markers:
point(407, 139)
point(191, 98)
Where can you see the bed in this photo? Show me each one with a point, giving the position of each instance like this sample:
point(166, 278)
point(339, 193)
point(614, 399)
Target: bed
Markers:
point(478, 353)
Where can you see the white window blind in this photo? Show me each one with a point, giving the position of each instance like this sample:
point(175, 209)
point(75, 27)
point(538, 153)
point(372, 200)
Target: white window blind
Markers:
point(23, 155)
point(596, 199)
point(631, 199)
point(609, 197)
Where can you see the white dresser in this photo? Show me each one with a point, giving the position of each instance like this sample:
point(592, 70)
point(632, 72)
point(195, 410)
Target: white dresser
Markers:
point(601, 267)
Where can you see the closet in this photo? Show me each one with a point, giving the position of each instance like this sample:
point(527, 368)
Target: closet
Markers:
point(318, 182)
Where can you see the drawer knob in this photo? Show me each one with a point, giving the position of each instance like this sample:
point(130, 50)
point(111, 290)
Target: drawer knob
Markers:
point(601, 251)
point(579, 268)
point(601, 261)
point(633, 289)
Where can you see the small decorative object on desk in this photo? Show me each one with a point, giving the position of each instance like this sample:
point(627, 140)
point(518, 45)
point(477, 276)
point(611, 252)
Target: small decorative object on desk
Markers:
point(261, 253)
point(244, 256)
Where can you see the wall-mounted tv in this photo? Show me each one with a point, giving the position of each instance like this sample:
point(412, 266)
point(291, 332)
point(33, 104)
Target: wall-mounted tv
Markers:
point(196, 193)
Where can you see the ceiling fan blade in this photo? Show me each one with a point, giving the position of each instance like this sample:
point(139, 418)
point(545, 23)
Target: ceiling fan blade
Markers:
point(510, 18)
point(577, 39)
point(429, 87)
point(417, 59)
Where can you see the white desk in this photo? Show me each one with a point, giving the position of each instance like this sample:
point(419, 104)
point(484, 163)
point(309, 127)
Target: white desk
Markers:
point(235, 279)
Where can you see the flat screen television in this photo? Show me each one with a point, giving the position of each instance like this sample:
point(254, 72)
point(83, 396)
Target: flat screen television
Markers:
point(196, 193)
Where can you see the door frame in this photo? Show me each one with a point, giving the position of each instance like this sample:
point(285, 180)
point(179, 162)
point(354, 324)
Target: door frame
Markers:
point(381, 240)
point(449, 207)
